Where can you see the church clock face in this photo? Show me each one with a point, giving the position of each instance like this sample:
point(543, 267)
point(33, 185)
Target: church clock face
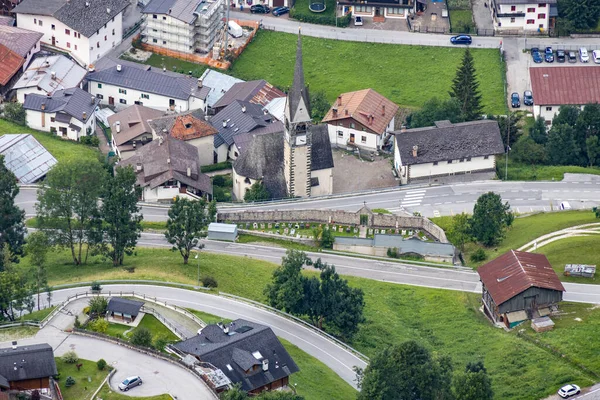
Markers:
point(300, 140)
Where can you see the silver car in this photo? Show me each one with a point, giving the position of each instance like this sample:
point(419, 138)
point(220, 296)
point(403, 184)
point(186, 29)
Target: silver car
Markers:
point(130, 382)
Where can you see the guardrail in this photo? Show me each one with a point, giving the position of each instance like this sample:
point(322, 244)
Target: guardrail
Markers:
point(130, 281)
point(299, 321)
point(158, 316)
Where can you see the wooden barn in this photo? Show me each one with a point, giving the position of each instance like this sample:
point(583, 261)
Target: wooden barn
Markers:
point(27, 367)
point(519, 286)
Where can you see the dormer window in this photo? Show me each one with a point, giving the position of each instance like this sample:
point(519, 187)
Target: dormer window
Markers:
point(188, 125)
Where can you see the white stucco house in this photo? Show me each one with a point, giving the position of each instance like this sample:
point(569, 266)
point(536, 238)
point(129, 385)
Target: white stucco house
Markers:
point(67, 113)
point(362, 119)
point(559, 86)
point(523, 15)
point(379, 10)
point(125, 84)
point(446, 149)
point(86, 29)
point(24, 42)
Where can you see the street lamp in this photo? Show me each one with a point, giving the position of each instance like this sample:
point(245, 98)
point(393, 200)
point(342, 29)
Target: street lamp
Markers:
point(336, 12)
point(198, 263)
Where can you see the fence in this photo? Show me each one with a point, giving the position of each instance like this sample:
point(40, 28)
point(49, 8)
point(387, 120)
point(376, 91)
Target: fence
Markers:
point(158, 316)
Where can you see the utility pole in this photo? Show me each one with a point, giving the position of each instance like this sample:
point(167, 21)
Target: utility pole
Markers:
point(507, 146)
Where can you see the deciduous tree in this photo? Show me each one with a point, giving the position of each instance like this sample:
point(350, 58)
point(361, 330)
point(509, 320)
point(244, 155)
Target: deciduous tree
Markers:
point(319, 106)
point(527, 151)
point(473, 384)
point(465, 89)
point(592, 146)
point(460, 230)
point(12, 218)
point(490, 218)
point(257, 192)
point(509, 128)
point(436, 110)
point(188, 219)
point(15, 291)
point(37, 248)
point(562, 146)
point(285, 291)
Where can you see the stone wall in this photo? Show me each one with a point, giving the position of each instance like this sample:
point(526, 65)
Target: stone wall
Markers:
point(337, 217)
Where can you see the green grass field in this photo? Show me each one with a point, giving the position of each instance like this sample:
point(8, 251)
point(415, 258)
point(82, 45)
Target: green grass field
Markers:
point(62, 150)
point(157, 328)
point(107, 394)
point(38, 315)
point(574, 250)
point(523, 172)
point(407, 75)
point(87, 379)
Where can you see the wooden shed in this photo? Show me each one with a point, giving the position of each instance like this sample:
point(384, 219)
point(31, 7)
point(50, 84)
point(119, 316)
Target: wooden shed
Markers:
point(519, 286)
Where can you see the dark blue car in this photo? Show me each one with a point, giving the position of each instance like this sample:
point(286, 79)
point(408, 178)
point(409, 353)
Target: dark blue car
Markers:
point(549, 55)
point(280, 11)
point(461, 39)
point(515, 101)
point(537, 57)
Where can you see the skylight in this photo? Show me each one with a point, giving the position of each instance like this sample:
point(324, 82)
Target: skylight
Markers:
point(257, 355)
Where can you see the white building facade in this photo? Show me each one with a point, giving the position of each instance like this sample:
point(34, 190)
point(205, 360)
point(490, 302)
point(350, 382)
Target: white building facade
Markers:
point(72, 129)
point(343, 133)
point(522, 14)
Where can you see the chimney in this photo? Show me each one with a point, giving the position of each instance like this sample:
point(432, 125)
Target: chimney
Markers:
point(339, 101)
point(265, 364)
point(118, 126)
point(108, 10)
point(189, 172)
point(92, 99)
point(138, 167)
point(199, 82)
point(164, 69)
point(53, 75)
point(14, 345)
point(265, 112)
point(243, 109)
point(43, 106)
point(169, 161)
point(134, 144)
point(87, 3)
point(224, 123)
point(84, 115)
point(91, 68)
point(415, 151)
point(160, 140)
point(119, 67)
point(383, 110)
point(346, 111)
point(334, 111)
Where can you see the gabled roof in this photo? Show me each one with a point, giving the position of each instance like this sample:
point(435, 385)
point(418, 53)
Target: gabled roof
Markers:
point(68, 74)
point(247, 345)
point(10, 64)
point(6, 20)
point(124, 306)
point(276, 108)
point(242, 117)
point(25, 157)
point(183, 10)
point(27, 362)
point(516, 271)
point(148, 80)
point(321, 156)
point(166, 159)
point(83, 16)
point(67, 103)
point(4, 382)
point(186, 126)
point(258, 92)
point(447, 141)
point(19, 40)
point(367, 107)
point(219, 83)
point(565, 85)
point(133, 121)
point(298, 99)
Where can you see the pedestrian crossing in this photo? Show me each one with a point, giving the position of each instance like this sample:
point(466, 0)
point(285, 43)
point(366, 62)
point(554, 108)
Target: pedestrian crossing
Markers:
point(412, 198)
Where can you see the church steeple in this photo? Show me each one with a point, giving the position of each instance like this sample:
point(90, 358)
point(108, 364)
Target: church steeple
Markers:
point(298, 100)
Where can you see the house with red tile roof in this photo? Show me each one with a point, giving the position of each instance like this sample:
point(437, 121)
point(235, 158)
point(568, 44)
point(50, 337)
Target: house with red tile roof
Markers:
point(10, 64)
point(553, 87)
point(361, 119)
point(518, 286)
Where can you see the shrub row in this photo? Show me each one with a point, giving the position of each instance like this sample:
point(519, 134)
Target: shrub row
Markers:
point(312, 18)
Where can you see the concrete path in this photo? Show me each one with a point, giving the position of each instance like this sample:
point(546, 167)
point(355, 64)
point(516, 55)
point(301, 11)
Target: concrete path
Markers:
point(183, 324)
point(578, 230)
point(482, 16)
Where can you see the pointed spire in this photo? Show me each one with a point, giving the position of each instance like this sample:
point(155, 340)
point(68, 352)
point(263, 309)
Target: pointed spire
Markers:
point(298, 92)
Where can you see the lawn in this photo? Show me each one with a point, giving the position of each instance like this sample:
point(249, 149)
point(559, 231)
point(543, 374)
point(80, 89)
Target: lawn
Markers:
point(38, 315)
point(574, 250)
point(524, 172)
point(87, 379)
point(18, 332)
point(107, 394)
point(173, 64)
point(407, 75)
point(462, 21)
point(274, 242)
point(62, 150)
point(157, 328)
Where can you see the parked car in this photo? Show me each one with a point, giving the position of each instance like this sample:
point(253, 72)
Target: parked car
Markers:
point(537, 57)
point(130, 382)
point(572, 57)
point(561, 57)
point(515, 101)
point(583, 55)
point(259, 9)
point(568, 391)
point(358, 21)
point(280, 11)
point(528, 98)
point(596, 56)
point(549, 55)
point(461, 39)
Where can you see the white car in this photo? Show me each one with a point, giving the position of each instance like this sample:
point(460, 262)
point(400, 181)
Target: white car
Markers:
point(130, 382)
point(568, 391)
point(596, 56)
point(565, 205)
point(358, 21)
point(583, 55)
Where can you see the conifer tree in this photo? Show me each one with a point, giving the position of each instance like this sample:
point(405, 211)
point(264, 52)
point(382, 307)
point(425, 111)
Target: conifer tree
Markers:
point(465, 88)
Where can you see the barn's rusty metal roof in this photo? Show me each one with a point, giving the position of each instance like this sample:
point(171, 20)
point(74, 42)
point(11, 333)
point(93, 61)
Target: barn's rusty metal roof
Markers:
point(516, 271)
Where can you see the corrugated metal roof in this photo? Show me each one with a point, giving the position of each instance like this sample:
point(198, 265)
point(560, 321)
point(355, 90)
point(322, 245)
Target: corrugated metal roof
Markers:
point(10, 63)
point(276, 108)
point(219, 83)
point(68, 74)
point(219, 227)
point(25, 157)
point(516, 271)
point(565, 85)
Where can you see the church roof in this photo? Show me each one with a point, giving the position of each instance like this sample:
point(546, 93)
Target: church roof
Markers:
point(298, 91)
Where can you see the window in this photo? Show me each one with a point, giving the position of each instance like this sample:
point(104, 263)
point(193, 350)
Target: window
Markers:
point(122, 91)
point(548, 108)
point(35, 20)
point(531, 10)
point(235, 154)
point(53, 27)
point(352, 125)
point(52, 119)
point(40, 23)
point(542, 5)
point(435, 163)
point(68, 45)
point(513, 8)
point(67, 31)
point(541, 26)
point(164, 18)
point(513, 19)
point(449, 161)
point(164, 42)
point(486, 157)
point(541, 16)
point(154, 30)
point(139, 103)
point(314, 182)
point(364, 9)
point(154, 16)
point(98, 44)
point(104, 26)
point(75, 47)
point(145, 96)
point(340, 134)
point(468, 158)
point(530, 22)
point(461, 160)
point(154, 40)
point(99, 96)
point(122, 101)
point(99, 86)
point(395, 11)
point(247, 181)
point(363, 139)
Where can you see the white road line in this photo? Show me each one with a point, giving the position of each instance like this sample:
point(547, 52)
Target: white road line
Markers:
point(413, 196)
point(415, 191)
point(411, 204)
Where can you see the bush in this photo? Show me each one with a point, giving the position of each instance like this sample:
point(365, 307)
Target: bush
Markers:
point(70, 357)
point(219, 180)
point(70, 381)
point(142, 337)
point(160, 342)
point(209, 282)
point(96, 286)
point(101, 364)
point(77, 324)
point(215, 167)
point(14, 112)
point(392, 252)
point(91, 141)
point(312, 18)
point(478, 255)
point(100, 325)
point(98, 306)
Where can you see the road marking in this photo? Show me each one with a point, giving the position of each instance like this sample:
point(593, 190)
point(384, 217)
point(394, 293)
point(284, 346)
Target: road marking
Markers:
point(411, 203)
point(410, 196)
point(436, 213)
point(415, 191)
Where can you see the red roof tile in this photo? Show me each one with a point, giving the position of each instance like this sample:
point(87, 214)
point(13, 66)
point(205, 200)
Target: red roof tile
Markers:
point(565, 85)
point(10, 63)
point(516, 271)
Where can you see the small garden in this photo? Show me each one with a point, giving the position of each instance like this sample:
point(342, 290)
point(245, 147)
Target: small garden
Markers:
point(78, 379)
point(302, 13)
point(461, 16)
point(222, 187)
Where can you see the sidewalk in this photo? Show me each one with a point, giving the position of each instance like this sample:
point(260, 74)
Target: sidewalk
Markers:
point(103, 146)
point(183, 324)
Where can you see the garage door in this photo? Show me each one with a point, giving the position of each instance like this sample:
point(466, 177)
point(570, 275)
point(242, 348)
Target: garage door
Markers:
point(278, 3)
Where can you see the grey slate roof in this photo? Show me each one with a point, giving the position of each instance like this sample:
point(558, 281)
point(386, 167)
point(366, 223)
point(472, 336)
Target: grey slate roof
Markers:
point(259, 92)
point(39, 74)
point(321, 156)
point(252, 120)
point(183, 10)
point(25, 157)
point(65, 103)
point(238, 349)
point(83, 16)
point(219, 83)
point(298, 90)
point(125, 306)
point(133, 121)
point(448, 141)
point(4, 382)
point(32, 362)
point(150, 81)
point(19, 40)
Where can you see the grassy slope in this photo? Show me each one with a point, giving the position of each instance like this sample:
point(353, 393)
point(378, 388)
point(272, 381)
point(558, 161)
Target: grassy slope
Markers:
point(61, 149)
point(157, 328)
point(391, 68)
point(38, 315)
point(18, 332)
point(107, 394)
point(82, 389)
point(522, 172)
point(575, 250)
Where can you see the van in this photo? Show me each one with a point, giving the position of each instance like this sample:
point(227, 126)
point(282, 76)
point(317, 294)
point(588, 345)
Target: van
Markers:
point(583, 55)
point(234, 29)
